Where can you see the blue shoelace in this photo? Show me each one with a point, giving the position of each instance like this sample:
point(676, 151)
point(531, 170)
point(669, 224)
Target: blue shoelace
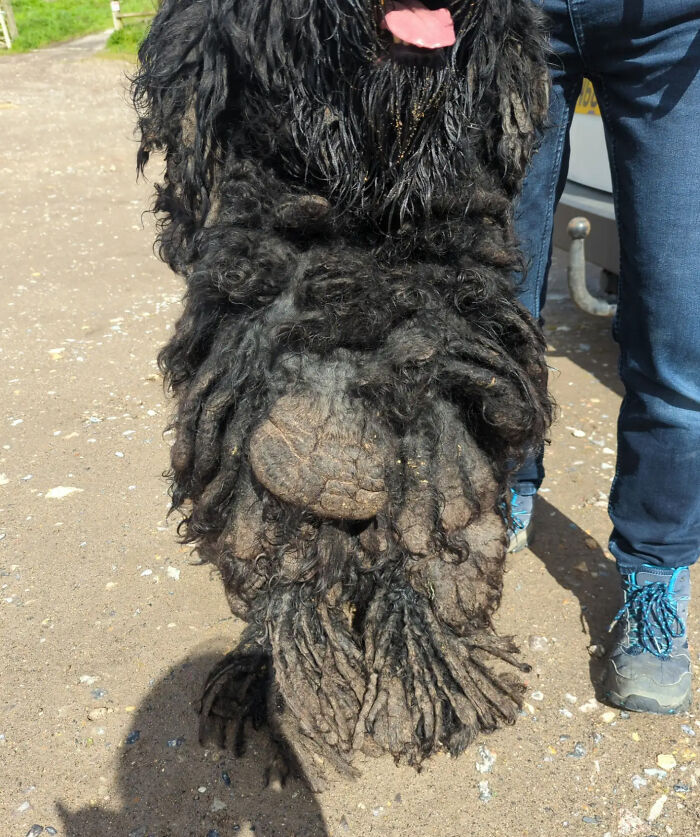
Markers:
point(516, 513)
point(654, 614)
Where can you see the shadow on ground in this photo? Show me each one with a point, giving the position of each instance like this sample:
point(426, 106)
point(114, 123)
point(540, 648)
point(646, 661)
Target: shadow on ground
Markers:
point(169, 786)
point(584, 339)
point(565, 550)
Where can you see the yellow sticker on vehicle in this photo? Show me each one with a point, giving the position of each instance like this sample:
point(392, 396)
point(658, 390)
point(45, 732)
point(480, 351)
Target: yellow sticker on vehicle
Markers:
point(587, 101)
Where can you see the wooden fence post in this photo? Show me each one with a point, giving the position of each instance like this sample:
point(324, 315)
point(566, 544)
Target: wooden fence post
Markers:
point(116, 19)
point(6, 6)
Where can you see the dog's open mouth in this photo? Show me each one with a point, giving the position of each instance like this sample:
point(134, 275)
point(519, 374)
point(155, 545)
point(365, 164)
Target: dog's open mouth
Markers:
point(419, 30)
point(412, 23)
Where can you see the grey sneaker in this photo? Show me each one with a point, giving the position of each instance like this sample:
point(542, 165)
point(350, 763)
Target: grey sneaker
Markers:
point(521, 513)
point(649, 665)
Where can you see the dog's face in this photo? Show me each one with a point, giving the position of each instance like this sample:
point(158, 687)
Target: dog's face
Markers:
point(371, 98)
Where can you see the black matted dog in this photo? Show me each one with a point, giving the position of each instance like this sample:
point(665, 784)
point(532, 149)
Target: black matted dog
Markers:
point(354, 378)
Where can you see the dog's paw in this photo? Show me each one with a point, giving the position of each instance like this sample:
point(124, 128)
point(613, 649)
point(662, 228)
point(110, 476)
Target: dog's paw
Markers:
point(235, 693)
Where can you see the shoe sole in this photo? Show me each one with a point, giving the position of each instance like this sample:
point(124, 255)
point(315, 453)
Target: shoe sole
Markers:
point(521, 539)
point(641, 703)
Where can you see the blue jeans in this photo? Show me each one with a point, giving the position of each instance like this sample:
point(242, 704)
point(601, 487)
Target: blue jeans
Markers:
point(643, 57)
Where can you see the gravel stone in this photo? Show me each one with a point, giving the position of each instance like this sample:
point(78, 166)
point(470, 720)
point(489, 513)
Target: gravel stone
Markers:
point(486, 760)
point(537, 643)
point(484, 791)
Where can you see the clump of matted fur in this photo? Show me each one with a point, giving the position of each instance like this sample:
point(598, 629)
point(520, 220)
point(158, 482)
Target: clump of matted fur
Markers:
point(354, 378)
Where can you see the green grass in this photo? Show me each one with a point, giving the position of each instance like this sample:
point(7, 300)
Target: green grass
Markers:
point(42, 22)
point(125, 42)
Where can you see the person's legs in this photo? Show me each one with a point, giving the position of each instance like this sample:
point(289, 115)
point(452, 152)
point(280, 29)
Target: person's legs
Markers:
point(645, 70)
point(534, 220)
point(643, 59)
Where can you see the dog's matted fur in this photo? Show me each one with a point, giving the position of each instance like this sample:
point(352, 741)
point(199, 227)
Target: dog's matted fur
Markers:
point(353, 376)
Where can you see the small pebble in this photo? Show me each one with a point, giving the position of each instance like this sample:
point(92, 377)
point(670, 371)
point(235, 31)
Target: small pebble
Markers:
point(398, 798)
point(98, 693)
point(98, 712)
point(666, 761)
point(688, 730)
point(35, 831)
point(176, 742)
point(51, 830)
point(608, 717)
point(213, 833)
point(217, 805)
point(624, 716)
point(61, 491)
point(138, 832)
point(628, 823)
point(589, 706)
point(537, 696)
point(25, 806)
point(537, 643)
point(566, 713)
point(484, 791)
point(133, 736)
point(655, 772)
point(591, 820)
point(173, 572)
point(226, 779)
point(344, 824)
point(570, 698)
point(486, 760)
point(638, 782)
point(579, 434)
point(656, 809)
point(681, 788)
point(578, 752)
point(201, 789)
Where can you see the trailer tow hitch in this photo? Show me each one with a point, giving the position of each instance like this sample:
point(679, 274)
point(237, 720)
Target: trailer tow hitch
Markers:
point(578, 230)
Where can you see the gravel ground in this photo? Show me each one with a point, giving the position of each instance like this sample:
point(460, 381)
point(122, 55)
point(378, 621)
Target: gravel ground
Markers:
point(109, 626)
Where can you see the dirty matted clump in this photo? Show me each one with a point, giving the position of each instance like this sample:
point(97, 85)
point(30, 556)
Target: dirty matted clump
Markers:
point(354, 378)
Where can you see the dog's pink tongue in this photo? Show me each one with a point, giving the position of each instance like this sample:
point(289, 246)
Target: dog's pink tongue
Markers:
point(411, 21)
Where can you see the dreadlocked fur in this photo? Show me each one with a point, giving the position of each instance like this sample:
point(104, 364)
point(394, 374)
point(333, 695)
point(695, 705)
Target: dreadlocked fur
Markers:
point(354, 378)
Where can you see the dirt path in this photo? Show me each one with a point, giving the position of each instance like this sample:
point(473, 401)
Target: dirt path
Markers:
point(107, 625)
